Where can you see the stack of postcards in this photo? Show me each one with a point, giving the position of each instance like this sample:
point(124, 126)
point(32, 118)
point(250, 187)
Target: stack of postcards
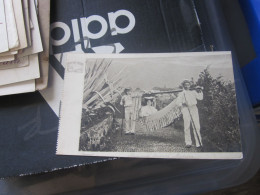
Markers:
point(24, 47)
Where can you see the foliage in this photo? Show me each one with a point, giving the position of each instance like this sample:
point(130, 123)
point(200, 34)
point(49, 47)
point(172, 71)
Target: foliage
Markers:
point(93, 137)
point(98, 88)
point(164, 100)
point(218, 114)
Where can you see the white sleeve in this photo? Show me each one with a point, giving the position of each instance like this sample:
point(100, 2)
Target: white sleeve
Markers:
point(180, 99)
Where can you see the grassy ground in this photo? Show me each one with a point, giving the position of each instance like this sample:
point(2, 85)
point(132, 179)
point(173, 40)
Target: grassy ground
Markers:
point(168, 139)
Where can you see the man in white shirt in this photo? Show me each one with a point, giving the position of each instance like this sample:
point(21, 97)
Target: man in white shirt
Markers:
point(127, 102)
point(188, 100)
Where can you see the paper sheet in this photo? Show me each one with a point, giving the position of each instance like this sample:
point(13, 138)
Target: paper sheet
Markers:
point(36, 46)
point(12, 33)
point(18, 11)
point(15, 75)
point(8, 53)
point(3, 33)
point(44, 21)
point(15, 63)
point(6, 58)
point(27, 21)
point(16, 88)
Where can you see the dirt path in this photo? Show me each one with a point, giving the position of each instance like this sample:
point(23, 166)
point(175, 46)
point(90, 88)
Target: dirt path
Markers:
point(166, 139)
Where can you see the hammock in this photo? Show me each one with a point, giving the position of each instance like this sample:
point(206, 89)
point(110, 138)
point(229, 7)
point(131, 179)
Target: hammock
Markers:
point(164, 117)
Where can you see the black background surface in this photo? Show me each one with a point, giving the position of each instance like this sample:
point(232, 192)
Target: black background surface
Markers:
point(161, 25)
point(153, 176)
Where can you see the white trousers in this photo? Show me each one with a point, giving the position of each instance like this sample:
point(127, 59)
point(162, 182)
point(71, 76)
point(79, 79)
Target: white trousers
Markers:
point(191, 117)
point(129, 120)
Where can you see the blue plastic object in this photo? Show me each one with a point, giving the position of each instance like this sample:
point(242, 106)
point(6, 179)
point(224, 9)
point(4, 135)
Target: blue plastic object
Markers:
point(251, 71)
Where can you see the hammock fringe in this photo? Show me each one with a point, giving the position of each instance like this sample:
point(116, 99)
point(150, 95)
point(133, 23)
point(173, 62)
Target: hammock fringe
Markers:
point(163, 117)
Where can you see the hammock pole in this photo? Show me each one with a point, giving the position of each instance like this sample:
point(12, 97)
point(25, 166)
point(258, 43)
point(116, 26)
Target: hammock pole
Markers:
point(122, 125)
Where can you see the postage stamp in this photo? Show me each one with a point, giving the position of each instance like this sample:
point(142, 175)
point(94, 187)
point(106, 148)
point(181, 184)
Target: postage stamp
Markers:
point(168, 105)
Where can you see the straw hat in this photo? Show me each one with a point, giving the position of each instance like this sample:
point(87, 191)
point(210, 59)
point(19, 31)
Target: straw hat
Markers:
point(185, 81)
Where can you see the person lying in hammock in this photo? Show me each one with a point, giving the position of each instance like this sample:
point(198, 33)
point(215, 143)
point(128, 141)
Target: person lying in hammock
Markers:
point(148, 109)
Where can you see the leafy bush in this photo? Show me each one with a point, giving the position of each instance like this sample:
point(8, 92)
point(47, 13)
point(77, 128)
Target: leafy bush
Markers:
point(218, 114)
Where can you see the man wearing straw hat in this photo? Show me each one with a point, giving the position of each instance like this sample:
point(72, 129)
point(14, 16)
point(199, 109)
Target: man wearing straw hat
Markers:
point(188, 100)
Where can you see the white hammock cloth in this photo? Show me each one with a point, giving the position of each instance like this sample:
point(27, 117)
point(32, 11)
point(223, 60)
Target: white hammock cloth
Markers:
point(163, 117)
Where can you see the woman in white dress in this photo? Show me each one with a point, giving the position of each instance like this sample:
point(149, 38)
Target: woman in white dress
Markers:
point(148, 109)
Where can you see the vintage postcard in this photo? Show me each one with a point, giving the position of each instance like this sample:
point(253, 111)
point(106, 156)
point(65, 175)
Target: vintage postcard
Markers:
point(14, 63)
point(27, 21)
point(44, 22)
point(13, 40)
point(22, 73)
point(20, 25)
point(36, 3)
point(8, 53)
point(36, 45)
point(3, 32)
point(17, 88)
point(6, 58)
point(179, 105)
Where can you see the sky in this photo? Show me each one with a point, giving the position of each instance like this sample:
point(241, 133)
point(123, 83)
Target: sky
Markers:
point(146, 73)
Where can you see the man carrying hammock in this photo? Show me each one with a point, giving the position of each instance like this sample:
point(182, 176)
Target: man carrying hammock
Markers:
point(188, 100)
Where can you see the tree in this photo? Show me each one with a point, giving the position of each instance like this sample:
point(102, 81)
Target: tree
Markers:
point(218, 114)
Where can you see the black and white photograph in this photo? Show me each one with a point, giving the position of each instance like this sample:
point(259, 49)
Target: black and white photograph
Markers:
point(177, 105)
